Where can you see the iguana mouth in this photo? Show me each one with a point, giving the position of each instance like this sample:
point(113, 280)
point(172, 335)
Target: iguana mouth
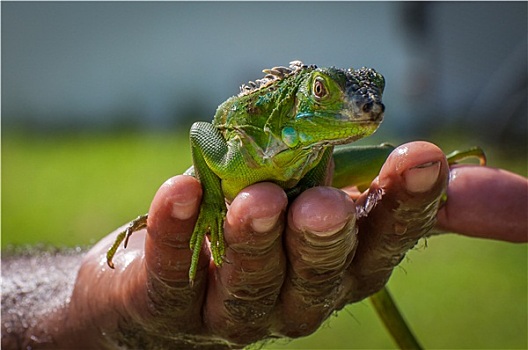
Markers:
point(364, 112)
point(375, 110)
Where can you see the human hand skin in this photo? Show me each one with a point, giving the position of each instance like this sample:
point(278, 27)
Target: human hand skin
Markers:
point(281, 264)
point(486, 202)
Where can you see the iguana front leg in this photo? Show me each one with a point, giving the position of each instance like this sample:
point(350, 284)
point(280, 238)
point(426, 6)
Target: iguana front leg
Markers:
point(208, 148)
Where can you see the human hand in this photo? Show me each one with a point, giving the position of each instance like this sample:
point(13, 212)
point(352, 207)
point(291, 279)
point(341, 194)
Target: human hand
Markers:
point(282, 266)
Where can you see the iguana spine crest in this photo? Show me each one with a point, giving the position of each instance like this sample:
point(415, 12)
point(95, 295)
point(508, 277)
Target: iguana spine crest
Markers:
point(272, 75)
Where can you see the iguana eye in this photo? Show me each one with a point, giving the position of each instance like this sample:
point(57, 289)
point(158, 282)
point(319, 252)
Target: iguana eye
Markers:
point(319, 89)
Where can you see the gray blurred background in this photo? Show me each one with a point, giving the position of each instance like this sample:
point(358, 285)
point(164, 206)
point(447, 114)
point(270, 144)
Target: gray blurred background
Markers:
point(108, 65)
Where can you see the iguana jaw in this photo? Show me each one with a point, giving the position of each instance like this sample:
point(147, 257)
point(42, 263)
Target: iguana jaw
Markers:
point(334, 133)
point(351, 132)
point(359, 117)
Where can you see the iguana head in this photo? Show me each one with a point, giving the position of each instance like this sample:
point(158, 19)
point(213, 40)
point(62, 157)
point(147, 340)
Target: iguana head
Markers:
point(335, 106)
point(327, 106)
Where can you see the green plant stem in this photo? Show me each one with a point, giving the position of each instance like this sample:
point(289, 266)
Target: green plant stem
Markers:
point(393, 320)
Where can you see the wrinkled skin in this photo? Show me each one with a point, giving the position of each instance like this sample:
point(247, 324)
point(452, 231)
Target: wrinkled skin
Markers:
point(283, 264)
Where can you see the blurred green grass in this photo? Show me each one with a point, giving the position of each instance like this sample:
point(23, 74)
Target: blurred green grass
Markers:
point(73, 189)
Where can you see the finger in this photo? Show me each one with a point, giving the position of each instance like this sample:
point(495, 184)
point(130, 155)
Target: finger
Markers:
point(243, 291)
point(411, 184)
point(486, 202)
point(320, 241)
point(171, 221)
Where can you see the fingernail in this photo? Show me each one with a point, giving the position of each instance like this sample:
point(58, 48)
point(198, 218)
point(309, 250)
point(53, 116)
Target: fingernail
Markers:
point(262, 225)
point(320, 225)
point(330, 231)
point(183, 210)
point(421, 178)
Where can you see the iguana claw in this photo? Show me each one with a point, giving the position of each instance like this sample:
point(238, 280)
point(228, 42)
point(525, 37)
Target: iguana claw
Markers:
point(135, 225)
point(209, 220)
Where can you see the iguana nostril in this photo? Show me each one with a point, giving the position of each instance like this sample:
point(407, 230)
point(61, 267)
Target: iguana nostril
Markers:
point(367, 107)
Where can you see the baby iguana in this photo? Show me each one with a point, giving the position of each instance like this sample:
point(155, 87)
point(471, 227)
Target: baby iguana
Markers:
point(281, 128)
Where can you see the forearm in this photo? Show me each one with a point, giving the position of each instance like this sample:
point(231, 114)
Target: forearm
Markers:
point(36, 290)
point(64, 299)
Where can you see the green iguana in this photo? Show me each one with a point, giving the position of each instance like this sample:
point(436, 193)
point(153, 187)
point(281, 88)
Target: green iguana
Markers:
point(282, 128)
